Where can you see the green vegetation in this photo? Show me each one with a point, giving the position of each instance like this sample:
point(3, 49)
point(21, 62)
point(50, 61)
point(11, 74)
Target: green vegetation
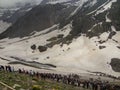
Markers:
point(14, 78)
point(25, 82)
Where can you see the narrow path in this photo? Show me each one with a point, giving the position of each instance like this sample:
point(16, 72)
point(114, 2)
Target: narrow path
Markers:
point(6, 87)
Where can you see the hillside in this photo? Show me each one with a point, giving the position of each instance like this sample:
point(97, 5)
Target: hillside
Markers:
point(80, 36)
point(22, 81)
point(25, 80)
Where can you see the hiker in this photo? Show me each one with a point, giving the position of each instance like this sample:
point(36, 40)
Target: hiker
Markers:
point(2, 67)
point(87, 84)
point(31, 73)
point(37, 74)
point(19, 70)
point(6, 68)
point(9, 69)
point(71, 79)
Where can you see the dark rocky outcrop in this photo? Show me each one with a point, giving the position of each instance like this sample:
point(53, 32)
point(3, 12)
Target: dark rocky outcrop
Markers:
point(60, 36)
point(42, 48)
point(115, 15)
point(102, 47)
point(111, 34)
point(118, 47)
point(115, 64)
point(33, 47)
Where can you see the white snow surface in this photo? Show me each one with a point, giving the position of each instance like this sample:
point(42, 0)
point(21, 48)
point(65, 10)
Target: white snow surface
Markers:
point(4, 26)
point(57, 1)
point(107, 19)
point(82, 55)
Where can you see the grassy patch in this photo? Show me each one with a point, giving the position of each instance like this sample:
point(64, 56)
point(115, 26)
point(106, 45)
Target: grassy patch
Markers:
point(27, 82)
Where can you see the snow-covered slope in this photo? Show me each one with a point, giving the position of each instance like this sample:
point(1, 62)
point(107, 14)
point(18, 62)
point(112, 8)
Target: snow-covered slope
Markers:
point(4, 26)
point(82, 55)
point(84, 41)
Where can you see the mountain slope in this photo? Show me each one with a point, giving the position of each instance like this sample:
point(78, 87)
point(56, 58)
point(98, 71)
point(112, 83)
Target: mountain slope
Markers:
point(9, 15)
point(37, 19)
point(74, 38)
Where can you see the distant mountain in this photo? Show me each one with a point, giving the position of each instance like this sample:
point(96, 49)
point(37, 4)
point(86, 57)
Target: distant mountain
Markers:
point(8, 16)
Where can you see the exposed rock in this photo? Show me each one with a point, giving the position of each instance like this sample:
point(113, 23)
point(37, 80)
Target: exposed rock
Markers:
point(48, 57)
point(118, 47)
point(115, 64)
point(60, 36)
point(101, 42)
point(115, 15)
point(56, 38)
point(115, 40)
point(52, 39)
point(42, 48)
point(33, 47)
point(102, 47)
point(111, 34)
